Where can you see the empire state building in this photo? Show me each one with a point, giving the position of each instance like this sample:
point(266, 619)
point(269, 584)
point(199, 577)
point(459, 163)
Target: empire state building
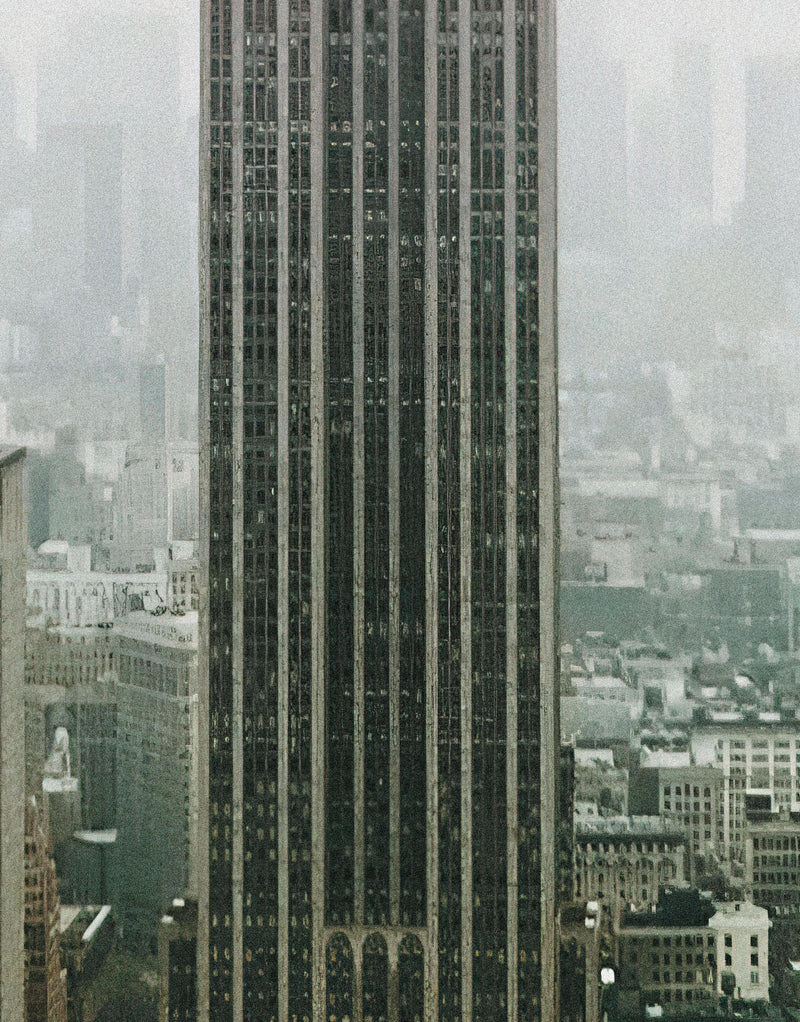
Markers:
point(379, 735)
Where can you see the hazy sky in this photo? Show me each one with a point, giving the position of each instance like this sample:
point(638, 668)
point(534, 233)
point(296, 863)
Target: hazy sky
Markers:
point(31, 29)
point(638, 32)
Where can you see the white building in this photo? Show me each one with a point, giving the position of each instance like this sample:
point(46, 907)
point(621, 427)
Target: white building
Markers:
point(742, 942)
point(84, 598)
point(760, 758)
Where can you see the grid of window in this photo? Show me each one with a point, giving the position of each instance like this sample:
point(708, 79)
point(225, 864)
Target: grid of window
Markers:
point(377, 884)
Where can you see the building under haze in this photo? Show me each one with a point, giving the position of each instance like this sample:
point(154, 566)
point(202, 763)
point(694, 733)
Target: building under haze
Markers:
point(13, 541)
point(378, 379)
point(156, 697)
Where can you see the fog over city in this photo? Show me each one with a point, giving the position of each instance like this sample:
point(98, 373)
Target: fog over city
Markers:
point(670, 220)
point(382, 611)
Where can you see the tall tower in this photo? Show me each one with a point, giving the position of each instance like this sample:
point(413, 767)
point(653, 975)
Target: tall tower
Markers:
point(378, 393)
point(13, 543)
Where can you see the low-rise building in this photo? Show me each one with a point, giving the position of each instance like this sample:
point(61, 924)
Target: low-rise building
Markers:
point(689, 953)
point(669, 957)
point(607, 689)
point(623, 862)
point(688, 796)
point(772, 863)
point(742, 940)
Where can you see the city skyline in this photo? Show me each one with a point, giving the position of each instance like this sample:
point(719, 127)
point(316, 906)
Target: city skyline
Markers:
point(428, 682)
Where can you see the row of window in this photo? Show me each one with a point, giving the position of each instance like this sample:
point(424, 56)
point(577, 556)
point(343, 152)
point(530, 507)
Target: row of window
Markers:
point(680, 995)
point(687, 790)
point(689, 940)
point(776, 844)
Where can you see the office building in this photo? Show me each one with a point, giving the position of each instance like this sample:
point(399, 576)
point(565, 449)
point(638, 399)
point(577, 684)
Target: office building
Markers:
point(142, 503)
point(689, 798)
point(757, 757)
point(580, 933)
point(87, 936)
point(70, 686)
point(378, 452)
point(623, 862)
point(772, 876)
point(156, 697)
point(153, 401)
point(45, 980)
point(177, 963)
point(690, 952)
point(13, 541)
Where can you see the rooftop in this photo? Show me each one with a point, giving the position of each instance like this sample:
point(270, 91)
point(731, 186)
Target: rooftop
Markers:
point(729, 912)
point(680, 908)
point(96, 837)
point(662, 758)
point(8, 455)
point(80, 923)
point(178, 631)
point(632, 827)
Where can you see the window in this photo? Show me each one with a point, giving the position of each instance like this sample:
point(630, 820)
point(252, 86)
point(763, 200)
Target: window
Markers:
point(728, 940)
point(754, 940)
point(754, 958)
point(728, 960)
point(754, 979)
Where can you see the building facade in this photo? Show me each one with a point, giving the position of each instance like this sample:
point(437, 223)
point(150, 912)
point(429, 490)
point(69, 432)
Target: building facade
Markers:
point(82, 598)
point(742, 941)
point(45, 980)
point(623, 863)
point(761, 756)
point(177, 963)
point(379, 508)
point(156, 698)
point(69, 684)
point(13, 542)
point(690, 952)
point(690, 798)
point(671, 965)
point(772, 864)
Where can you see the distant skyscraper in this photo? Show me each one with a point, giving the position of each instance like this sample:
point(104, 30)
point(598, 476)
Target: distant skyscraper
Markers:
point(152, 400)
point(13, 542)
point(773, 165)
point(103, 198)
point(378, 394)
point(8, 106)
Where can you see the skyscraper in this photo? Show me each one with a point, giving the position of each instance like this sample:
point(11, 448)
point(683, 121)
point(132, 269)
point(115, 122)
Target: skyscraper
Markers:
point(13, 542)
point(378, 464)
